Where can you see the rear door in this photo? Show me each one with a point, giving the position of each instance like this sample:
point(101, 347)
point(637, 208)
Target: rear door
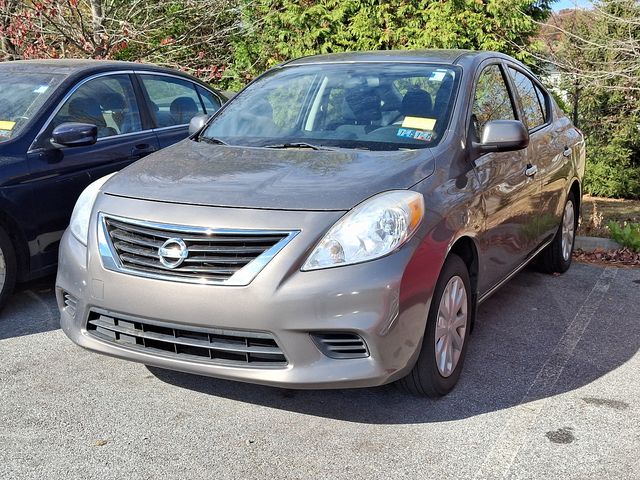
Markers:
point(60, 174)
point(173, 101)
point(510, 197)
point(550, 149)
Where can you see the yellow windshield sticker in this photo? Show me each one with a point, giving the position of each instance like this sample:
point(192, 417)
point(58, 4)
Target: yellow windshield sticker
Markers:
point(6, 125)
point(421, 123)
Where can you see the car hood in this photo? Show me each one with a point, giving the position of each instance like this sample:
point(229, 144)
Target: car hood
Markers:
point(197, 173)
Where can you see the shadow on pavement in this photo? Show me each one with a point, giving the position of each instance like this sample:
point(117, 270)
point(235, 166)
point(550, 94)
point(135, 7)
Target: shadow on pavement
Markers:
point(31, 309)
point(521, 335)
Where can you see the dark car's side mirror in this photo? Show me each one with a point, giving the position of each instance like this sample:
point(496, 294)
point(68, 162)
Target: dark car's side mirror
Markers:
point(74, 134)
point(197, 122)
point(503, 136)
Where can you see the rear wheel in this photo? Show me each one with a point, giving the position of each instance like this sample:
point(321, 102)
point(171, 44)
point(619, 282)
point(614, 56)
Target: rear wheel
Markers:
point(556, 258)
point(444, 345)
point(8, 267)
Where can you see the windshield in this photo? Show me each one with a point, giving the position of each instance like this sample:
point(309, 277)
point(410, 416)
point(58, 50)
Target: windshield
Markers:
point(21, 95)
point(375, 106)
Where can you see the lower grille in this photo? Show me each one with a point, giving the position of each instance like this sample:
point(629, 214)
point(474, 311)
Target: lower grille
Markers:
point(341, 345)
point(70, 304)
point(225, 347)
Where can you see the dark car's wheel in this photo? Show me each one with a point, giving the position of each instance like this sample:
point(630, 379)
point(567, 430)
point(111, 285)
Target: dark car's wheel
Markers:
point(8, 267)
point(556, 258)
point(438, 367)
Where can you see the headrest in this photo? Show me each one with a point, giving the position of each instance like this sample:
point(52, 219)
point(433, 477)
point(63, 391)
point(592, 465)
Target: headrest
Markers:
point(365, 104)
point(86, 110)
point(416, 103)
point(183, 106)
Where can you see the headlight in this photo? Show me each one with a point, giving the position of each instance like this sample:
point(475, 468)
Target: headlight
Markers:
point(371, 230)
point(82, 211)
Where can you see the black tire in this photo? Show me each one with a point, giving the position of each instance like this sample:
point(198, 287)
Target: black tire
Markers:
point(425, 378)
point(551, 259)
point(10, 267)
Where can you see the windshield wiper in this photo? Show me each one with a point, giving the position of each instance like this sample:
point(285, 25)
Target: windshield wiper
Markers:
point(297, 145)
point(213, 141)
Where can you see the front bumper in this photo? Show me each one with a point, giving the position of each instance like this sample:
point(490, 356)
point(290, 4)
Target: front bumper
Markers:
point(378, 300)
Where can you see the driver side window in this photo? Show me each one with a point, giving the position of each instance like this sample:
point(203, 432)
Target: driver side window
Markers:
point(107, 102)
point(491, 100)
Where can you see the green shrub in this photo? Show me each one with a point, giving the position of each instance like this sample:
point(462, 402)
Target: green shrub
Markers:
point(627, 236)
point(611, 171)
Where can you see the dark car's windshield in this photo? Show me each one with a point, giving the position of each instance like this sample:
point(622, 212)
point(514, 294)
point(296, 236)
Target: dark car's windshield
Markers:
point(21, 95)
point(377, 106)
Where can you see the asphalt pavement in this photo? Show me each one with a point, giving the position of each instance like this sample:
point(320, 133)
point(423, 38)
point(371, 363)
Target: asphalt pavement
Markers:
point(550, 390)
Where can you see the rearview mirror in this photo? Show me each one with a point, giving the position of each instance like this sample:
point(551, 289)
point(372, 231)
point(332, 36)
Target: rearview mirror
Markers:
point(503, 136)
point(74, 134)
point(197, 123)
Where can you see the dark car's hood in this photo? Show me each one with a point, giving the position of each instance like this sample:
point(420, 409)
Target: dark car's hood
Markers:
point(294, 179)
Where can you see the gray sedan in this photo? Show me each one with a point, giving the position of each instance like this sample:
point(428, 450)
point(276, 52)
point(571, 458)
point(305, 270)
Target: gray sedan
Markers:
point(335, 224)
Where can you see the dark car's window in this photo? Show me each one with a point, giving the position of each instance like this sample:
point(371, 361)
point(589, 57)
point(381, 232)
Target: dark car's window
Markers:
point(211, 103)
point(21, 96)
point(491, 100)
point(109, 102)
point(533, 115)
point(173, 101)
point(381, 106)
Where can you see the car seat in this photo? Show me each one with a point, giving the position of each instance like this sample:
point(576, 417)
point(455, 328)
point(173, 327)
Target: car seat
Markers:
point(87, 110)
point(416, 103)
point(365, 104)
point(125, 120)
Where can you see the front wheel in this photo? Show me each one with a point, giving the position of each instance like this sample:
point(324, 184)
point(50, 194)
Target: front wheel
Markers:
point(444, 345)
point(556, 257)
point(8, 267)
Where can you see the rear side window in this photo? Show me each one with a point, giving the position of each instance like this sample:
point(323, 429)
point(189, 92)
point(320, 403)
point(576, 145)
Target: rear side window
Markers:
point(173, 101)
point(542, 98)
point(211, 103)
point(532, 109)
point(491, 100)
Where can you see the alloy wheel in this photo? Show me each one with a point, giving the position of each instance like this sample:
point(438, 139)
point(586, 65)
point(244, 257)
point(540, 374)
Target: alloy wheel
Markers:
point(451, 326)
point(568, 230)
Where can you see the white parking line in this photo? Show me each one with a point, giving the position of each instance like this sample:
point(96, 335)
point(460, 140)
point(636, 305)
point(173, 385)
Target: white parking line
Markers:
point(524, 415)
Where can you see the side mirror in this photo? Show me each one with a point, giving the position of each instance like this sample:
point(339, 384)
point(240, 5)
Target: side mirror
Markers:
point(503, 136)
point(197, 122)
point(74, 135)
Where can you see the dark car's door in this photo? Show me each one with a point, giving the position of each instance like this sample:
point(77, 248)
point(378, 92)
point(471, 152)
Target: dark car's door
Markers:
point(60, 174)
point(173, 102)
point(548, 152)
point(510, 196)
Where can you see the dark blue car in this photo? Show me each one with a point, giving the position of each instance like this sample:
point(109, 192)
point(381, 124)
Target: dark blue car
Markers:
point(65, 123)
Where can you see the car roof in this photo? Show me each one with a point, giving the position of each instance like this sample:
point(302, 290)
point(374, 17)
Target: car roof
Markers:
point(452, 56)
point(70, 66)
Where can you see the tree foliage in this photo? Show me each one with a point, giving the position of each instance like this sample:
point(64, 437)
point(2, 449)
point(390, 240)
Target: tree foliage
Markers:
point(278, 30)
point(597, 52)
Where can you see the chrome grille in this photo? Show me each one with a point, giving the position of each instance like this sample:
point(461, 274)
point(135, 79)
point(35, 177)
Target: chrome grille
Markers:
point(341, 345)
point(219, 256)
point(224, 347)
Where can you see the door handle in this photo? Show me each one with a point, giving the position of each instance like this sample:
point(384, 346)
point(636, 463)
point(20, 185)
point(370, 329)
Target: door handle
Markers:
point(531, 170)
point(142, 149)
point(567, 151)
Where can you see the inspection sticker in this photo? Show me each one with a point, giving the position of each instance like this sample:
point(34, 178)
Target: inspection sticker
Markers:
point(420, 123)
point(7, 125)
point(415, 134)
point(41, 89)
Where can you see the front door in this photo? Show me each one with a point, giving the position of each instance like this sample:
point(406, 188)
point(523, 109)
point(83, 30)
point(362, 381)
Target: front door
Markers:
point(510, 197)
point(60, 174)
